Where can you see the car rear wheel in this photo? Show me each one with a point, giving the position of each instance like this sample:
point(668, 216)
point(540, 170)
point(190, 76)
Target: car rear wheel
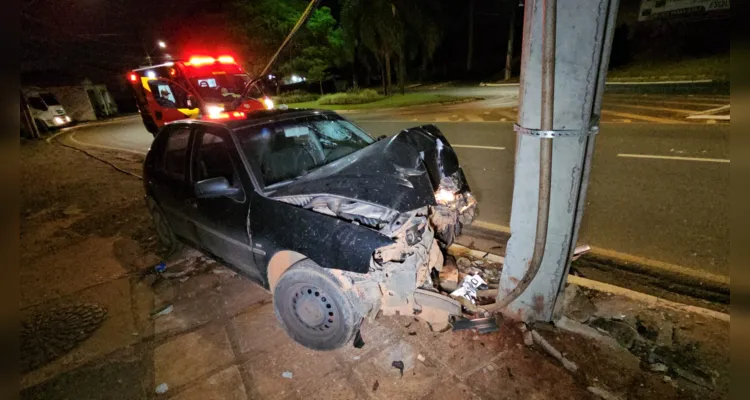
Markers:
point(163, 230)
point(313, 308)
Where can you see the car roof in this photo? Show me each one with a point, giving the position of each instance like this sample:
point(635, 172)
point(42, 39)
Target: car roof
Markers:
point(259, 117)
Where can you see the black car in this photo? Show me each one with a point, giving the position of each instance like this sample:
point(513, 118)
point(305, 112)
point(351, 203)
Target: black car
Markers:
point(336, 224)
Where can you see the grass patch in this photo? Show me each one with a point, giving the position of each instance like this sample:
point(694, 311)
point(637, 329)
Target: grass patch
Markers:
point(350, 97)
point(716, 68)
point(295, 96)
point(395, 101)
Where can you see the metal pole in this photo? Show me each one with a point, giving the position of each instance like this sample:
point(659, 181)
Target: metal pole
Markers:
point(561, 71)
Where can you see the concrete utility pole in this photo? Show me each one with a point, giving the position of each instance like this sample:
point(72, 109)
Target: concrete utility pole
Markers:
point(566, 50)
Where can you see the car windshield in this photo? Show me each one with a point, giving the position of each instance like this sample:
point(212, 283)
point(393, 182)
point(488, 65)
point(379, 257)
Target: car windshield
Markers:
point(50, 99)
point(290, 149)
point(221, 88)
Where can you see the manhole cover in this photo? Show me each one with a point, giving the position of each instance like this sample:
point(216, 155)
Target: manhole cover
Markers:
point(51, 333)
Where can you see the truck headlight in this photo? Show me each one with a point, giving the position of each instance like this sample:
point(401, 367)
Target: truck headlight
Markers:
point(58, 120)
point(268, 103)
point(214, 110)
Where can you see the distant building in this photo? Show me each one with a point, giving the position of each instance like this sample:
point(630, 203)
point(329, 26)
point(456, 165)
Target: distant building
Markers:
point(82, 99)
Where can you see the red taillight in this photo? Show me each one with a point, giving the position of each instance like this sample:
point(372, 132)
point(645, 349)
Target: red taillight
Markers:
point(226, 59)
point(133, 77)
point(201, 60)
point(227, 115)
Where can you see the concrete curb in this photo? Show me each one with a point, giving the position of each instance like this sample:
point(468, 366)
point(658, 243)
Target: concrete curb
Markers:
point(631, 262)
point(459, 251)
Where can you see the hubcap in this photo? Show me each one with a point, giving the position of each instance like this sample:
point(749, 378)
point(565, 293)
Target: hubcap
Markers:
point(313, 309)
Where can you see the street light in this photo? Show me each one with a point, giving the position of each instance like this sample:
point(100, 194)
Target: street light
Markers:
point(162, 44)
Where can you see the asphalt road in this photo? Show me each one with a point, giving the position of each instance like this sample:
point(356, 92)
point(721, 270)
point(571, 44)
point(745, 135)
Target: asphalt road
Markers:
point(657, 191)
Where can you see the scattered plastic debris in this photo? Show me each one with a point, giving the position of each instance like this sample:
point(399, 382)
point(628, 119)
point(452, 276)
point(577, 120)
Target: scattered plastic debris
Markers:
point(164, 311)
point(468, 288)
point(481, 325)
point(355, 358)
point(162, 388)
point(287, 374)
point(604, 394)
point(398, 365)
point(160, 267)
point(420, 357)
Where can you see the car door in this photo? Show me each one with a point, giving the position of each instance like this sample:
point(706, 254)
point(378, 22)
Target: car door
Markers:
point(221, 222)
point(168, 181)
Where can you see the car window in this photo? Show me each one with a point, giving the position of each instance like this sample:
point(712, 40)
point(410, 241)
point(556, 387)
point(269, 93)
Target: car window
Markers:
point(175, 151)
point(37, 103)
point(212, 160)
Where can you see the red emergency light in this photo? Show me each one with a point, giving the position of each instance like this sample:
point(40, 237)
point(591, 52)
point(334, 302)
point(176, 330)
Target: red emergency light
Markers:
point(133, 77)
point(205, 60)
point(234, 115)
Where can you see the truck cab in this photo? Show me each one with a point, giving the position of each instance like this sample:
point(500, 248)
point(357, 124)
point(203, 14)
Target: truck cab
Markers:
point(198, 87)
point(46, 110)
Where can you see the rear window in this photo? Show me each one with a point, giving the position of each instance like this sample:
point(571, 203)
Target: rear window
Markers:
point(50, 99)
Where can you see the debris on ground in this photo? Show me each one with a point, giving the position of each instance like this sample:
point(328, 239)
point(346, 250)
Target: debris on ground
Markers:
point(375, 385)
point(160, 267)
point(420, 357)
point(602, 393)
point(577, 305)
point(287, 374)
point(162, 388)
point(164, 311)
point(481, 325)
point(399, 365)
point(551, 350)
point(358, 341)
point(468, 290)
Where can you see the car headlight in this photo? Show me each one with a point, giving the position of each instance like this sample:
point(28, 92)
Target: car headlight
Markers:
point(268, 103)
point(444, 196)
point(214, 110)
point(58, 120)
point(67, 119)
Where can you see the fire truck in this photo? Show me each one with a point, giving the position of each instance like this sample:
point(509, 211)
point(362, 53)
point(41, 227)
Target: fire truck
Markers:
point(199, 87)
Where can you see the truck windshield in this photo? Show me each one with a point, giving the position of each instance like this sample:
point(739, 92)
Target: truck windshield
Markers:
point(221, 88)
point(50, 99)
point(290, 149)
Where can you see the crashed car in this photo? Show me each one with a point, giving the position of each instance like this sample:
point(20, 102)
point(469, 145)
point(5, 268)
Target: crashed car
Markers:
point(336, 224)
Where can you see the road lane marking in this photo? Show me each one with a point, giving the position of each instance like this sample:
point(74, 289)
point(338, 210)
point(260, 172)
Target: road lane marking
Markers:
point(642, 117)
point(472, 146)
point(639, 83)
point(674, 110)
point(657, 157)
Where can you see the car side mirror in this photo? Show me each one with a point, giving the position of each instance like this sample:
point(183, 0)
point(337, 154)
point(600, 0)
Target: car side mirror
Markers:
point(214, 187)
point(381, 137)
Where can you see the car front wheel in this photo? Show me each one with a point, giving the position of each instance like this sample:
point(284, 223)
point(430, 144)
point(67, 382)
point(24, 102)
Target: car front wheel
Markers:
point(313, 308)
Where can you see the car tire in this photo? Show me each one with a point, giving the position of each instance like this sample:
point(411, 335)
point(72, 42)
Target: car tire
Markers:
point(313, 308)
point(163, 230)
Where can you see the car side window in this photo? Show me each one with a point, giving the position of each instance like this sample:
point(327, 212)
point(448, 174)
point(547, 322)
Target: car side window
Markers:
point(175, 152)
point(212, 160)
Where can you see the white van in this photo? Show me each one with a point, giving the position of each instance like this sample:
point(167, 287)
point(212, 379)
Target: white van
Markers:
point(46, 110)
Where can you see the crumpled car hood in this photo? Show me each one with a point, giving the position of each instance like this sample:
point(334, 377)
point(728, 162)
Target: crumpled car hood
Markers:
point(401, 172)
